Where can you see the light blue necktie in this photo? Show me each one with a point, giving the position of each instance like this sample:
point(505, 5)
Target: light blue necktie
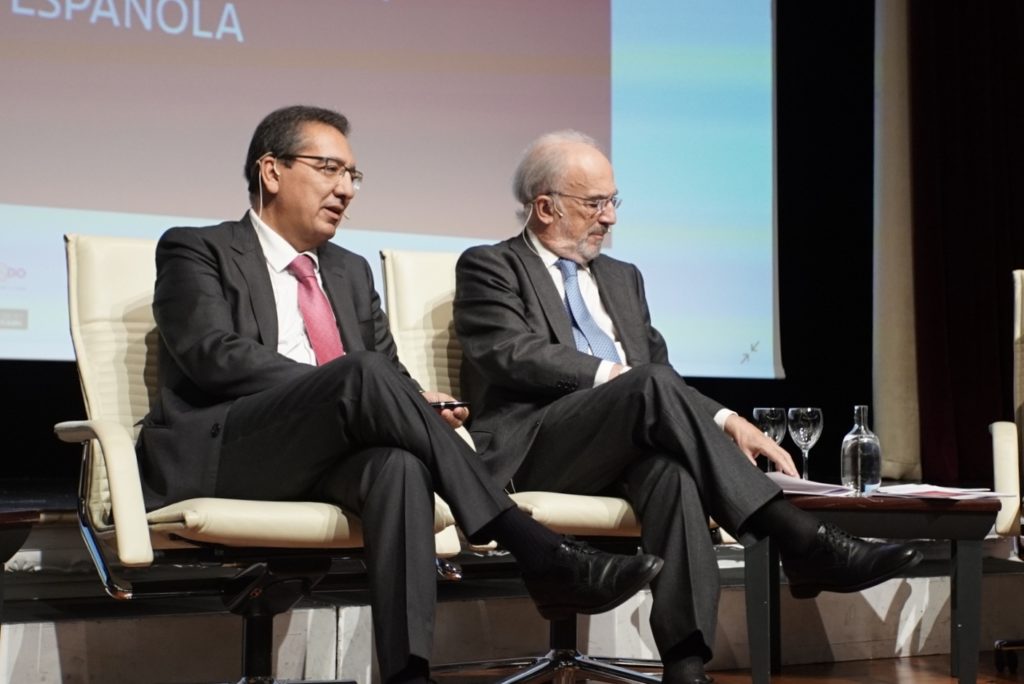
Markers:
point(590, 339)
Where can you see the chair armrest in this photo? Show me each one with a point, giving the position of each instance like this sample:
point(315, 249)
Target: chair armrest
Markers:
point(1006, 469)
point(131, 528)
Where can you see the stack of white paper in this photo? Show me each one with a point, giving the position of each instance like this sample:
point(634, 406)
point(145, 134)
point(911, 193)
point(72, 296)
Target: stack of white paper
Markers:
point(927, 491)
point(794, 485)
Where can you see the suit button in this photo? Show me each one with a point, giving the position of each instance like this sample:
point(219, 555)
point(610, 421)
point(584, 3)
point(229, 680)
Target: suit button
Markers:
point(215, 430)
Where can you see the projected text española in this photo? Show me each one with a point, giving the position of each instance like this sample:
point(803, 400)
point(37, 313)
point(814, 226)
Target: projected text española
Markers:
point(173, 17)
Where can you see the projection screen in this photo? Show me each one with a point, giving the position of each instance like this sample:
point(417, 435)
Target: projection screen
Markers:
point(125, 117)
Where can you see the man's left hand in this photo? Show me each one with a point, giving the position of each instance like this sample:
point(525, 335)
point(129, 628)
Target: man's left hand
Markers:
point(454, 417)
point(753, 443)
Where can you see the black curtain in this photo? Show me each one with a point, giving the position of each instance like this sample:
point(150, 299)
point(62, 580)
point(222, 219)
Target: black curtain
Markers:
point(967, 122)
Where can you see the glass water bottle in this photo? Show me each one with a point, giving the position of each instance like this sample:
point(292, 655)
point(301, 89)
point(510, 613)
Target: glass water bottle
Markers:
point(862, 455)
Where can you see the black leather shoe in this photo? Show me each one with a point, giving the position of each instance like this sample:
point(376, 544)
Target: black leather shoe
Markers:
point(843, 563)
point(584, 580)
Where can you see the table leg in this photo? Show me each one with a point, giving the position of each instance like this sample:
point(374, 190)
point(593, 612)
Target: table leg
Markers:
point(761, 588)
point(965, 609)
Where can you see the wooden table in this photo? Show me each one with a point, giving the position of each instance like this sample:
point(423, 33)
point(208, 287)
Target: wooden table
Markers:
point(964, 524)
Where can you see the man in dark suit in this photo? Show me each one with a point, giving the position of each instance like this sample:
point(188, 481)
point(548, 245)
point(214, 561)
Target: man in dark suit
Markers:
point(279, 380)
point(572, 392)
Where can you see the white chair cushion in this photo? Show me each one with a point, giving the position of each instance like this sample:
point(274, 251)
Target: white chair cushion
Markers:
point(236, 522)
point(275, 524)
point(582, 515)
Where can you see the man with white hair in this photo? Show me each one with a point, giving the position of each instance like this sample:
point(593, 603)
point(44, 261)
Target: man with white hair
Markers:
point(573, 392)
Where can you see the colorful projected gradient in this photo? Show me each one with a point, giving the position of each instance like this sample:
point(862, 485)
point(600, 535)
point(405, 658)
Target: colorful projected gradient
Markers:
point(128, 116)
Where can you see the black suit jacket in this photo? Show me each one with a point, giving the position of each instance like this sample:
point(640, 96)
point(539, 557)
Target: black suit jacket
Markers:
point(217, 319)
point(519, 355)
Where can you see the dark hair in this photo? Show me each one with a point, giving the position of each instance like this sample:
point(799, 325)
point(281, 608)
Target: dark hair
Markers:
point(280, 134)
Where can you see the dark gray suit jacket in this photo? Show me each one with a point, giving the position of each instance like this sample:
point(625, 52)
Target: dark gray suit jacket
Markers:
point(518, 350)
point(215, 311)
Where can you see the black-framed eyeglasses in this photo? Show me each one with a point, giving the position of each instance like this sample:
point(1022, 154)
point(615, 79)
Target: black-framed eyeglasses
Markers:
point(596, 204)
point(330, 167)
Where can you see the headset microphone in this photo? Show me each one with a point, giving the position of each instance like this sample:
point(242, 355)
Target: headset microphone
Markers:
point(529, 213)
point(554, 208)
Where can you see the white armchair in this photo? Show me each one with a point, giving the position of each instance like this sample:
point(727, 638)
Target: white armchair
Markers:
point(418, 291)
point(280, 550)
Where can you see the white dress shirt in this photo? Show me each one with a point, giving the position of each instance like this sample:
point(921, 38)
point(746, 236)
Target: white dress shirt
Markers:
point(591, 297)
point(292, 340)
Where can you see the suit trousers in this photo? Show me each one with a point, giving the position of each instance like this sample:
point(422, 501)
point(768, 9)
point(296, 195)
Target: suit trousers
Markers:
point(645, 436)
point(357, 433)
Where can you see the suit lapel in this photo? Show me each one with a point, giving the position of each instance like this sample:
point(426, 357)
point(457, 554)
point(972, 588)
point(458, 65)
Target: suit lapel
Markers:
point(550, 303)
point(615, 293)
point(253, 265)
point(339, 291)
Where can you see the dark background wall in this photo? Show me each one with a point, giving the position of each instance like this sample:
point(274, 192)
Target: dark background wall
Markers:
point(824, 99)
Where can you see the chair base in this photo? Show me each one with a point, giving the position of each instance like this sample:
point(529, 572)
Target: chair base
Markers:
point(562, 664)
point(559, 665)
point(271, 680)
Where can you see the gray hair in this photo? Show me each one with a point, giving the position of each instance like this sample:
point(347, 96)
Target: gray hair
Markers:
point(543, 166)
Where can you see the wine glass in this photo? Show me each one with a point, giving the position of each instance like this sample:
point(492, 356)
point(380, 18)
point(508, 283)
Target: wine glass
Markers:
point(805, 425)
point(772, 422)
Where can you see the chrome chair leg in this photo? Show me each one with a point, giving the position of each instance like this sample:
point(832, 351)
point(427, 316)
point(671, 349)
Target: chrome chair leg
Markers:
point(562, 664)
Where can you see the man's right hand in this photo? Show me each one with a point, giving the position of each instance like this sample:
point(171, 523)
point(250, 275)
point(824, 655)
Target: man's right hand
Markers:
point(454, 417)
point(753, 443)
point(617, 370)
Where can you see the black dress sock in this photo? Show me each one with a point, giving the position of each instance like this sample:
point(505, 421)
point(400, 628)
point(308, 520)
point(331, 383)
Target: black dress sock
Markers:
point(792, 529)
point(683, 670)
point(531, 543)
point(685, 661)
point(416, 671)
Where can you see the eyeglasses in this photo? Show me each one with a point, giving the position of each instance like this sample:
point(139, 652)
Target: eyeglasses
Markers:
point(596, 204)
point(330, 168)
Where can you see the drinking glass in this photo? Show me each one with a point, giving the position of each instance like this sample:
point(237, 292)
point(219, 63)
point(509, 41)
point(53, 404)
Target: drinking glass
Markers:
point(805, 425)
point(772, 422)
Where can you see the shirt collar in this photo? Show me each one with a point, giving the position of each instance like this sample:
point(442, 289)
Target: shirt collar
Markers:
point(275, 248)
point(547, 257)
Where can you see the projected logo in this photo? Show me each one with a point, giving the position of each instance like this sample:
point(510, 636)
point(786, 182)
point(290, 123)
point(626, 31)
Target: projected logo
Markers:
point(173, 17)
point(11, 273)
point(13, 319)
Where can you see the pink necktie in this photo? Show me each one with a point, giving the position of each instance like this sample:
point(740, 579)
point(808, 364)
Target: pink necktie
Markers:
point(316, 312)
